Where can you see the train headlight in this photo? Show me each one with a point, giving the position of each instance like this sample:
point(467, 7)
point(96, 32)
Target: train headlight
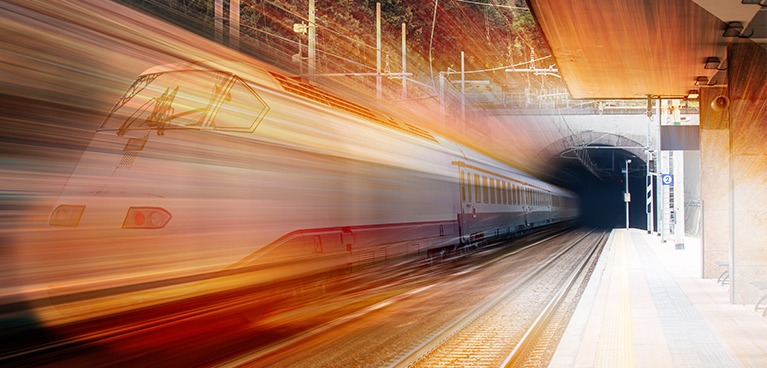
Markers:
point(66, 215)
point(146, 218)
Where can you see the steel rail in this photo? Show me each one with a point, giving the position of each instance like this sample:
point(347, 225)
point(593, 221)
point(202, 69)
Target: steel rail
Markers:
point(439, 338)
point(544, 317)
point(255, 354)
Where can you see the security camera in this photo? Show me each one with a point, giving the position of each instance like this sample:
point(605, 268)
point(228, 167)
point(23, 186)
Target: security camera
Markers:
point(720, 103)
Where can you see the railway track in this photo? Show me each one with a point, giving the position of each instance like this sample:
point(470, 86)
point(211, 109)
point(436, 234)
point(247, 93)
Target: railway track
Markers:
point(473, 317)
point(352, 334)
point(486, 334)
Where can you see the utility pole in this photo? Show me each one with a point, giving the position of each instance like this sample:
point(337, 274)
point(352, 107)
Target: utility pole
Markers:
point(442, 94)
point(627, 196)
point(234, 24)
point(378, 51)
point(463, 92)
point(312, 39)
point(404, 63)
point(218, 21)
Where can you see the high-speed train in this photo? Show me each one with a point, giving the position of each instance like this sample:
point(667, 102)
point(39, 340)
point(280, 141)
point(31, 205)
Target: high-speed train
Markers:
point(220, 175)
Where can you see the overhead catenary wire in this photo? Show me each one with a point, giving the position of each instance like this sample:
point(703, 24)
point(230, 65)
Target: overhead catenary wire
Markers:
point(495, 5)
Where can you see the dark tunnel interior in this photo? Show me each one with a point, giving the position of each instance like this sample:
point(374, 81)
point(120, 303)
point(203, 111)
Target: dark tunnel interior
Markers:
point(597, 175)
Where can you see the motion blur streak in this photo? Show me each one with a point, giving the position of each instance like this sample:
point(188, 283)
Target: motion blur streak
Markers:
point(157, 187)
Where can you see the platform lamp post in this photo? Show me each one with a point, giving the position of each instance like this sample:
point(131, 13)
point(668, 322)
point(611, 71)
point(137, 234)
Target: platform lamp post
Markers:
point(627, 195)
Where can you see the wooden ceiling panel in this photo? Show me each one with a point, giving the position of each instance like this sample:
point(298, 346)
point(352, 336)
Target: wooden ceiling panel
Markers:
point(630, 48)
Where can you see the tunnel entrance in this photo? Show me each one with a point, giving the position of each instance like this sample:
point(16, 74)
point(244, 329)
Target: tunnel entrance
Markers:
point(596, 174)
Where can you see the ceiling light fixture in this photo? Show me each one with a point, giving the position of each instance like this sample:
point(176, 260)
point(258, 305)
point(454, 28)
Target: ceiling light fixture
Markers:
point(701, 81)
point(692, 94)
point(752, 2)
point(733, 29)
point(712, 62)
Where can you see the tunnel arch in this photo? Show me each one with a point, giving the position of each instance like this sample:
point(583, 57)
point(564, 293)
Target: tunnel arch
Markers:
point(591, 164)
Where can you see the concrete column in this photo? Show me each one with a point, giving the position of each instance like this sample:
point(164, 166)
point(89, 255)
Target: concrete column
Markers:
point(678, 199)
point(714, 182)
point(748, 171)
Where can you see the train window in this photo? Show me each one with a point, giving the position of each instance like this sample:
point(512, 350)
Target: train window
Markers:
point(187, 100)
point(501, 191)
point(492, 190)
point(498, 196)
point(514, 194)
point(462, 179)
point(477, 189)
point(528, 196)
point(522, 192)
point(468, 187)
point(485, 189)
point(508, 193)
point(241, 109)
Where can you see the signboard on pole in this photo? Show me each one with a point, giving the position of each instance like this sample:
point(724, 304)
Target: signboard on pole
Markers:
point(667, 179)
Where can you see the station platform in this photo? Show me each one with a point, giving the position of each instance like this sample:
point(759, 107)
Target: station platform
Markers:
point(646, 305)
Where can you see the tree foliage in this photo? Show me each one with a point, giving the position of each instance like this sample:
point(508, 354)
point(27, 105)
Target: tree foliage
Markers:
point(491, 35)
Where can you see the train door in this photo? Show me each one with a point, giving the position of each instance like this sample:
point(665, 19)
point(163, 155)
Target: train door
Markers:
point(349, 240)
point(526, 206)
point(466, 209)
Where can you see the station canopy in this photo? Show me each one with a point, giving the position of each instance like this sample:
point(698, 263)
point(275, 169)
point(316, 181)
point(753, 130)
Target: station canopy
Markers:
point(607, 49)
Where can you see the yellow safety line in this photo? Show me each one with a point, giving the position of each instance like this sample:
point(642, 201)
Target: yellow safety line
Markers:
point(616, 340)
point(627, 332)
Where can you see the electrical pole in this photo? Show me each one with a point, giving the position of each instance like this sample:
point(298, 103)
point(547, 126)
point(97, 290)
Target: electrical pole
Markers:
point(218, 21)
point(234, 24)
point(463, 93)
point(442, 94)
point(404, 63)
point(627, 197)
point(312, 39)
point(378, 51)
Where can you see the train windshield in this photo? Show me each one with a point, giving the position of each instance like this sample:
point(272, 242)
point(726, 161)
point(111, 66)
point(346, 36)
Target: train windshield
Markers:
point(186, 100)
